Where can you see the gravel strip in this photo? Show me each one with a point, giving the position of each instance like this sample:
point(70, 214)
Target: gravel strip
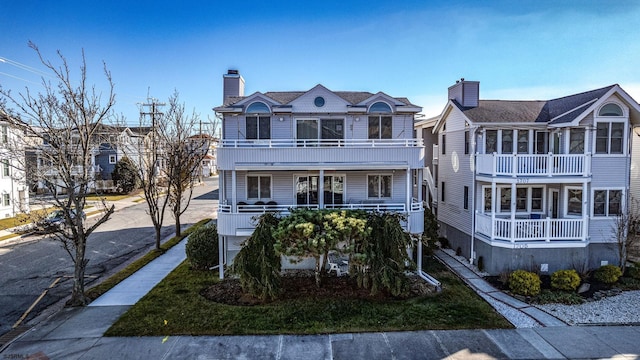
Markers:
point(516, 317)
point(619, 309)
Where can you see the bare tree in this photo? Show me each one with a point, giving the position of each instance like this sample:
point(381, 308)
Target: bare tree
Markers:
point(184, 153)
point(66, 118)
point(626, 229)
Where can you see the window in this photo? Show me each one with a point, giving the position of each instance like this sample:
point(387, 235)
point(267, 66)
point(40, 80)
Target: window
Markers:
point(491, 141)
point(380, 107)
point(5, 134)
point(465, 198)
point(521, 199)
point(576, 141)
point(6, 199)
point(258, 127)
point(523, 142)
point(380, 127)
point(609, 137)
point(258, 108)
point(318, 101)
point(487, 199)
point(507, 141)
point(574, 202)
point(505, 199)
point(466, 142)
point(5, 168)
point(379, 186)
point(329, 129)
point(112, 159)
point(536, 199)
point(611, 110)
point(442, 191)
point(606, 202)
point(542, 142)
point(258, 187)
point(443, 144)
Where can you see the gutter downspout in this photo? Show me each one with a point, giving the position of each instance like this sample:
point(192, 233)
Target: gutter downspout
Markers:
point(473, 192)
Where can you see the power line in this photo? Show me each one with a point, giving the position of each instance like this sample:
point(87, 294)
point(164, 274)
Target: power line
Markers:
point(24, 67)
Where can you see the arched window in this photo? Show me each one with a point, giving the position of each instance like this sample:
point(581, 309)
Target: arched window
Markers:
point(258, 108)
point(610, 110)
point(380, 107)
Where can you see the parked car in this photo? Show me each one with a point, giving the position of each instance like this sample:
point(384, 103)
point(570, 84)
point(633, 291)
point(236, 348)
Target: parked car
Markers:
point(56, 221)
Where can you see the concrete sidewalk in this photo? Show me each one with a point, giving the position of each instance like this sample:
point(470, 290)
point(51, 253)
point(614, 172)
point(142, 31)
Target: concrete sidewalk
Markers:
point(77, 333)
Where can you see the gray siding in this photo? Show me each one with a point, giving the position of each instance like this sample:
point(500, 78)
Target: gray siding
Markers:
point(601, 230)
point(609, 171)
point(451, 211)
point(635, 166)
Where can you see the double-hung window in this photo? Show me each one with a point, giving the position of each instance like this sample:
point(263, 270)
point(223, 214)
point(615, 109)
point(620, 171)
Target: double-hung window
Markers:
point(607, 202)
point(379, 186)
point(380, 127)
point(5, 168)
point(609, 137)
point(259, 187)
point(6, 199)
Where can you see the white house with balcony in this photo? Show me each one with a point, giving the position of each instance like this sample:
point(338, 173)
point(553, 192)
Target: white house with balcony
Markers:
point(317, 149)
point(533, 184)
point(14, 194)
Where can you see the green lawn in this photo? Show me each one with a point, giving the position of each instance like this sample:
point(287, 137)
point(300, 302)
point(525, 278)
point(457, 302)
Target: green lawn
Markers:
point(175, 307)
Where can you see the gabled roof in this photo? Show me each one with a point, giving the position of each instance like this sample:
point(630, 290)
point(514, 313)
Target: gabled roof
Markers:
point(286, 97)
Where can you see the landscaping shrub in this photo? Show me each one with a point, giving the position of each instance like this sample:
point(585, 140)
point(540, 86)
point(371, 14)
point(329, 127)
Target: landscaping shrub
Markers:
point(444, 243)
point(523, 282)
point(480, 264)
point(125, 175)
point(567, 280)
point(202, 247)
point(558, 297)
point(458, 251)
point(633, 271)
point(608, 274)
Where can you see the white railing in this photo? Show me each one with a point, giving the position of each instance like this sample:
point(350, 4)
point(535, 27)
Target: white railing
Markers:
point(293, 143)
point(368, 206)
point(533, 164)
point(519, 230)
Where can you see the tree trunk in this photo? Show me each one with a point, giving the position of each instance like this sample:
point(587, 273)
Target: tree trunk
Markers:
point(317, 274)
point(157, 228)
point(78, 297)
point(178, 230)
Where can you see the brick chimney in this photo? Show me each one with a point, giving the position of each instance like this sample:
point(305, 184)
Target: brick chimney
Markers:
point(466, 93)
point(233, 85)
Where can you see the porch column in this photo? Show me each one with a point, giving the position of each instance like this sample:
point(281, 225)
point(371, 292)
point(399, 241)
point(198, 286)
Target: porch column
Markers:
point(493, 209)
point(222, 198)
point(585, 228)
point(321, 189)
point(408, 190)
point(234, 199)
point(512, 226)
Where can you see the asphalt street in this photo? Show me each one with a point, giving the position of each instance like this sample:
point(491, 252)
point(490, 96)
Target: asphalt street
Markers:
point(39, 264)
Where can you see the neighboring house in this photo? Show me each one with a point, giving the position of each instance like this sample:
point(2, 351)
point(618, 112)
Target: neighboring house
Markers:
point(14, 194)
point(314, 149)
point(533, 184)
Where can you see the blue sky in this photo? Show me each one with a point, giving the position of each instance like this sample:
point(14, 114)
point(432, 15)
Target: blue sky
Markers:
point(415, 49)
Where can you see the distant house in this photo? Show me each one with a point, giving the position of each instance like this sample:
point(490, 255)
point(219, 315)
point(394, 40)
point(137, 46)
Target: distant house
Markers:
point(315, 149)
point(14, 194)
point(533, 184)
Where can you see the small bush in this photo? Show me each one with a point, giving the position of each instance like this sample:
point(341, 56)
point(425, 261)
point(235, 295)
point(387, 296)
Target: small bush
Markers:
point(608, 274)
point(202, 247)
point(633, 271)
point(458, 251)
point(523, 282)
point(444, 243)
point(558, 297)
point(567, 280)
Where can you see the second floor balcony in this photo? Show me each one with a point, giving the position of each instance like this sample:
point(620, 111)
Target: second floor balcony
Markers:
point(274, 151)
point(549, 165)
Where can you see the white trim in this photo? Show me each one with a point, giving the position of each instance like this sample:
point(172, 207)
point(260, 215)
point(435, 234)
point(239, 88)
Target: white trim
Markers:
point(625, 135)
point(379, 184)
point(246, 183)
point(344, 184)
point(565, 201)
point(114, 157)
point(606, 204)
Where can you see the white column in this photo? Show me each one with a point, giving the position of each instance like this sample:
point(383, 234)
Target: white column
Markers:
point(408, 189)
point(584, 211)
point(494, 199)
point(234, 196)
point(321, 189)
point(512, 226)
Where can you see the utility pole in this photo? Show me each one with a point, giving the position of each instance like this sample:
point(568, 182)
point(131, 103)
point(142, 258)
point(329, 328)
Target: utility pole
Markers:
point(152, 107)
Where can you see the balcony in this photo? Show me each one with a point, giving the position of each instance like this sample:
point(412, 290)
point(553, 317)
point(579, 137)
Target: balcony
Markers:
point(346, 151)
point(531, 230)
point(241, 221)
point(548, 165)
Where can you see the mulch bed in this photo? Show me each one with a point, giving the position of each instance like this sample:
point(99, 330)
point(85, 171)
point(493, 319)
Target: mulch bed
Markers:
point(301, 285)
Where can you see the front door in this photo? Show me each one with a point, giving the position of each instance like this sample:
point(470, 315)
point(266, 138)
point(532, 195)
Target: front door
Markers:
point(554, 202)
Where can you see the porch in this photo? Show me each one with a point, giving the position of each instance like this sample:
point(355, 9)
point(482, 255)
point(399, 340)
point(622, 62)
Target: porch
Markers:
point(533, 164)
point(240, 221)
point(530, 228)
